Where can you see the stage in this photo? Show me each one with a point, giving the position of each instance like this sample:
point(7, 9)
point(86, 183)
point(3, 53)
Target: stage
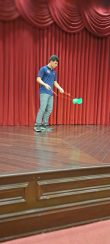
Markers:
point(53, 180)
point(65, 147)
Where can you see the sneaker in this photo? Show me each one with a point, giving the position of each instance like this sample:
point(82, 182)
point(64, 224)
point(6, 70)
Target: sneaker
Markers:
point(47, 127)
point(42, 128)
point(37, 128)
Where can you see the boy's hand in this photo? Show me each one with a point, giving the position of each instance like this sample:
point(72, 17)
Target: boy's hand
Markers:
point(47, 87)
point(61, 90)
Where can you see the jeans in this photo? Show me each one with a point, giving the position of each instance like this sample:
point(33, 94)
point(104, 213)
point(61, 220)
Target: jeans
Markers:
point(46, 107)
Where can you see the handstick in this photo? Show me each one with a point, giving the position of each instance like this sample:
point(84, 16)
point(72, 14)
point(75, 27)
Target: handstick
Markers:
point(54, 93)
point(74, 100)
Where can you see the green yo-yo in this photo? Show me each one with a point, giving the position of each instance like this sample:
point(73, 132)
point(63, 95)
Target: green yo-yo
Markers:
point(75, 101)
point(79, 100)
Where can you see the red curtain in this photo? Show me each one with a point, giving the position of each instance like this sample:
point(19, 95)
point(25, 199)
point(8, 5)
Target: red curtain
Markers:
point(79, 35)
point(8, 10)
point(66, 14)
point(71, 16)
point(36, 12)
point(83, 71)
point(97, 20)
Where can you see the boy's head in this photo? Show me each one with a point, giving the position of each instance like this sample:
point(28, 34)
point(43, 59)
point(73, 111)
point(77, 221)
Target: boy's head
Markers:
point(53, 60)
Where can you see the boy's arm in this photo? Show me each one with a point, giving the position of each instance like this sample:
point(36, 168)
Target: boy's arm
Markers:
point(41, 82)
point(58, 87)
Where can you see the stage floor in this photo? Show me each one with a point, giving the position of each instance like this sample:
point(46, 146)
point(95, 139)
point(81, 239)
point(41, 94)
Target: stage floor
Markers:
point(65, 147)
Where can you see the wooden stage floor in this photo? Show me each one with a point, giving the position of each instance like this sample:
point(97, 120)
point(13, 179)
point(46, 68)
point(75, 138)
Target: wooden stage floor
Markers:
point(65, 147)
point(53, 180)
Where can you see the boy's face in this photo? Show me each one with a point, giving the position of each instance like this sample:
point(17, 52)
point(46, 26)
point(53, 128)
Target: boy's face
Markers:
point(54, 64)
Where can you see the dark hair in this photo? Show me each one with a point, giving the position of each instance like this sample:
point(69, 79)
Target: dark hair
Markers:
point(54, 58)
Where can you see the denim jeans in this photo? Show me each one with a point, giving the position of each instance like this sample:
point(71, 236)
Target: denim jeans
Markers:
point(46, 107)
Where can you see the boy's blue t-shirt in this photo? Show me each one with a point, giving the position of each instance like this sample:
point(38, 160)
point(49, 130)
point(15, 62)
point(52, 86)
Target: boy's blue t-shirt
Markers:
point(48, 76)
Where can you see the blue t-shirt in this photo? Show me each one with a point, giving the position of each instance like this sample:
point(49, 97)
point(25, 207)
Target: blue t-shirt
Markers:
point(48, 76)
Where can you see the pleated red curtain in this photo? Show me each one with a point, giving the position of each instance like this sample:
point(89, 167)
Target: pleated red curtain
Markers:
point(31, 31)
point(71, 16)
point(8, 10)
point(17, 73)
point(83, 71)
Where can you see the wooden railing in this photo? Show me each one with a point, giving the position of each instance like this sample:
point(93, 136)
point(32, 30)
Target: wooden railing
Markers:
point(37, 202)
